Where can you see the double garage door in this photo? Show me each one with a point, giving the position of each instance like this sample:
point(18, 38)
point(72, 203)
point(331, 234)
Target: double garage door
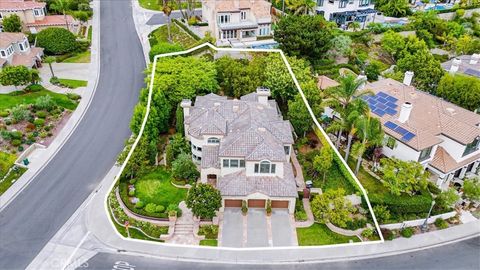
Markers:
point(256, 203)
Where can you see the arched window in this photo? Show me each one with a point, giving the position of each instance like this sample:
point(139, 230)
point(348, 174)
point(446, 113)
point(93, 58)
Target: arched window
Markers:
point(264, 167)
point(213, 140)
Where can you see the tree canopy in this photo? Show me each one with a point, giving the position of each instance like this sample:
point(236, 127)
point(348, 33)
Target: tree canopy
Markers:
point(183, 168)
point(400, 177)
point(204, 200)
point(15, 75)
point(332, 206)
point(12, 23)
point(461, 90)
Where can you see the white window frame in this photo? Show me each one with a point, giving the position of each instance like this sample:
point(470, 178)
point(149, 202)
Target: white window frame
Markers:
point(223, 18)
point(243, 15)
point(213, 140)
point(3, 53)
point(265, 167)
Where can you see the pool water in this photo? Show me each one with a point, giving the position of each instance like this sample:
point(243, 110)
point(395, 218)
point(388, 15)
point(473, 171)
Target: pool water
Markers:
point(273, 45)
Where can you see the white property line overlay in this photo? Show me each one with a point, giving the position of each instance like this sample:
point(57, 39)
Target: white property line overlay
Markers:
point(140, 133)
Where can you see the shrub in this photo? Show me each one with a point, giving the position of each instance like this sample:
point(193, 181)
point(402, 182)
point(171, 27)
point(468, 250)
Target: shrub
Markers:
point(42, 114)
point(16, 135)
point(45, 103)
point(131, 192)
point(4, 113)
point(132, 181)
point(39, 122)
point(367, 233)
point(16, 142)
point(184, 168)
point(43, 134)
point(139, 205)
point(407, 232)
point(405, 204)
point(19, 113)
point(381, 213)
point(73, 96)
point(387, 234)
point(441, 223)
point(301, 216)
point(210, 231)
point(56, 41)
point(8, 121)
point(30, 127)
point(159, 209)
point(356, 223)
point(20, 148)
point(244, 207)
point(151, 208)
point(164, 47)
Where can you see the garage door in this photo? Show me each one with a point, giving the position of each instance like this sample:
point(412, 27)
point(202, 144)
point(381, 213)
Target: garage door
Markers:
point(233, 203)
point(256, 203)
point(279, 204)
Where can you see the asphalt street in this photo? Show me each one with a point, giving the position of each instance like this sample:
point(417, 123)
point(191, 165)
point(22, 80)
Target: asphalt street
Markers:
point(461, 255)
point(40, 210)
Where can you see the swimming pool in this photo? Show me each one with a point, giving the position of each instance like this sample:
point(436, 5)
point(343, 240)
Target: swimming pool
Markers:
point(272, 45)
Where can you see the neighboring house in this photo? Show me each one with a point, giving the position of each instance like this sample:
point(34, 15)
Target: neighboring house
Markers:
point(344, 12)
point(464, 64)
point(237, 20)
point(33, 15)
point(15, 50)
point(443, 137)
point(243, 148)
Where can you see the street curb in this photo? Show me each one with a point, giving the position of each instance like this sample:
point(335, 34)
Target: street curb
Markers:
point(22, 183)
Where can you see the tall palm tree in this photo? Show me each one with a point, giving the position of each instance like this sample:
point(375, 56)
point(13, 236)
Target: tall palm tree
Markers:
point(167, 10)
point(356, 109)
point(370, 133)
point(340, 97)
point(61, 6)
point(302, 6)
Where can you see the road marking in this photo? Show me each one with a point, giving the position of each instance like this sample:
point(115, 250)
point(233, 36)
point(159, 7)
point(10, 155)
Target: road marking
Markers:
point(75, 250)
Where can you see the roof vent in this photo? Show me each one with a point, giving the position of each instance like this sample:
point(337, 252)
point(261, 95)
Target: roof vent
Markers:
point(235, 108)
point(450, 110)
point(405, 111)
point(474, 59)
point(216, 104)
point(261, 129)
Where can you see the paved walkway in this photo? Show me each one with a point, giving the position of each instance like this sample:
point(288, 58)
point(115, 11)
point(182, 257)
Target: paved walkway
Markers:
point(298, 170)
point(310, 219)
point(183, 233)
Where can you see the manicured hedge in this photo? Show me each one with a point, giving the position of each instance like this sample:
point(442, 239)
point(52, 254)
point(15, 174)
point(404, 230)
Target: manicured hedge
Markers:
point(181, 25)
point(56, 41)
point(404, 204)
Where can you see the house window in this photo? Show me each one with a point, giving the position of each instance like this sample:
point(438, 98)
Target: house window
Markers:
point(243, 15)
point(471, 147)
point(196, 148)
point(9, 50)
point(38, 12)
point(21, 46)
point(363, 3)
point(25, 44)
point(391, 142)
point(287, 150)
point(229, 34)
point(264, 167)
point(248, 34)
point(225, 163)
point(320, 3)
point(2, 52)
point(197, 158)
point(264, 30)
point(342, 3)
point(213, 140)
point(242, 163)
point(233, 163)
point(224, 18)
point(425, 154)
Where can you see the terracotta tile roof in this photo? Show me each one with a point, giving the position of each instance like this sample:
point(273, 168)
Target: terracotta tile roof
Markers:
point(53, 20)
point(17, 5)
point(210, 157)
point(445, 163)
point(238, 184)
point(7, 38)
point(325, 82)
point(28, 59)
point(430, 116)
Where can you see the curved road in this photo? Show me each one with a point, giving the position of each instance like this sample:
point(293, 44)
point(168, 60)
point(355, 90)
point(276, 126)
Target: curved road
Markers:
point(461, 255)
point(39, 211)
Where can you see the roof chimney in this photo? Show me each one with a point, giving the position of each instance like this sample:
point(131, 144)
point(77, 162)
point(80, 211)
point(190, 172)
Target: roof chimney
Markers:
point(186, 104)
point(455, 64)
point(362, 78)
point(407, 79)
point(474, 59)
point(262, 94)
point(405, 111)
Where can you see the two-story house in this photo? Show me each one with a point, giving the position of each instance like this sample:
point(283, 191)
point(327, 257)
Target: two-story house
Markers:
point(237, 20)
point(243, 148)
point(15, 50)
point(32, 13)
point(443, 137)
point(344, 12)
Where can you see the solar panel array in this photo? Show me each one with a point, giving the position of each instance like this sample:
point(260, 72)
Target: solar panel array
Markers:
point(472, 72)
point(406, 135)
point(382, 103)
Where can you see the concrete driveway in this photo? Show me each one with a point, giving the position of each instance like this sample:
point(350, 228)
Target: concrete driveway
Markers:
point(232, 228)
point(257, 234)
point(282, 234)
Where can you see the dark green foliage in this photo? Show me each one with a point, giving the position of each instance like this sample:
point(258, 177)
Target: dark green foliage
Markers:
point(419, 203)
point(12, 23)
point(15, 75)
point(372, 71)
point(204, 200)
point(407, 232)
point(461, 90)
point(441, 223)
point(387, 234)
point(176, 146)
point(393, 8)
point(304, 36)
point(183, 168)
point(56, 41)
point(179, 126)
point(164, 47)
point(210, 231)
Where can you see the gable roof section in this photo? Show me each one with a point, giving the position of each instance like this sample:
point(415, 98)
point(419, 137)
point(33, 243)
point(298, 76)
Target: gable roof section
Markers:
point(16, 5)
point(7, 38)
point(446, 163)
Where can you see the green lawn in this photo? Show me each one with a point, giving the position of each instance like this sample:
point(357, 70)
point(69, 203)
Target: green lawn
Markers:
point(178, 36)
point(320, 234)
point(153, 4)
point(6, 162)
point(209, 242)
point(155, 187)
point(11, 100)
point(12, 177)
point(83, 57)
point(70, 83)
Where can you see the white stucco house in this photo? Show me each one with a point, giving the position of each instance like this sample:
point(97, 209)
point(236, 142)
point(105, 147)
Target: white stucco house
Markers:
point(15, 50)
point(443, 137)
point(243, 148)
point(237, 20)
point(344, 12)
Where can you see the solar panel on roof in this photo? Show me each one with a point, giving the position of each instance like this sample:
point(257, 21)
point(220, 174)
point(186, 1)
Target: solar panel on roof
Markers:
point(472, 72)
point(382, 94)
point(379, 112)
point(391, 105)
point(401, 130)
point(382, 100)
point(381, 106)
point(407, 137)
point(390, 125)
point(390, 111)
point(391, 99)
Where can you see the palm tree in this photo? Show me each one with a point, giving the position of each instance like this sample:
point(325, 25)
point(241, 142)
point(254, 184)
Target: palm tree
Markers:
point(340, 97)
point(61, 6)
point(49, 60)
point(370, 133)
point(167, 10)
point(302, 6)
point(356, 109)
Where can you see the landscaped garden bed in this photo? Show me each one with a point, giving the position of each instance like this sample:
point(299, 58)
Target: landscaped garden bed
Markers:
point(211, 235)
point(8, 173)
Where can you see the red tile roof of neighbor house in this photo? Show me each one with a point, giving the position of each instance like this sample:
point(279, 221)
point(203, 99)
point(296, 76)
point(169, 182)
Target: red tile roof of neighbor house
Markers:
point(27, 59)
point(16, 5)
point(52, 20)
point(325, 82)
point(7, 38)
point(446, 163)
